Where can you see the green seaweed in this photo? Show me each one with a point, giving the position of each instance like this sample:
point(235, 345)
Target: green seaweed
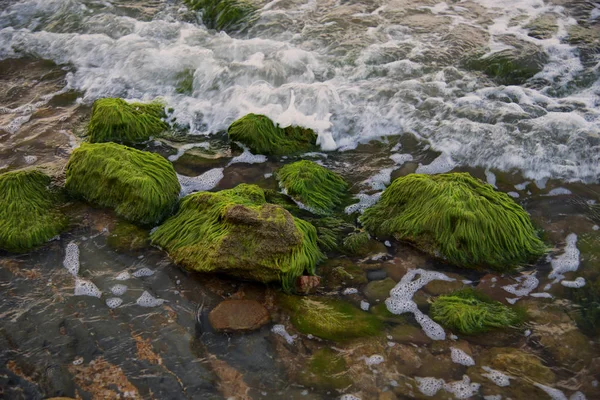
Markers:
point(140, 186)
point(357, 243)
point(225, 15)
point(28, 211)
point(318, 188)
point(470, 312)
point(457, 217)
point(115, 120)
point(330, 319)
point(325, 369)
point(237, 232)
point(263, 136)
point(185, 82)
point(331, 232)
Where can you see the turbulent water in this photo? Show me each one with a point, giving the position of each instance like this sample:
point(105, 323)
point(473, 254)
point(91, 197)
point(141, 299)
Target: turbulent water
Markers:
point(388, 87)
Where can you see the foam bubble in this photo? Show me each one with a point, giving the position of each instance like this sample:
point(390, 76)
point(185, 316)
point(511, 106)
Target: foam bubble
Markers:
point(350, 291)
point(247, 157)
point(71, 261)
point(375, 359)
point(497, 377)
point(381, 179)
point(349, 397)
point(279, 329)
point(429, 386)
point(123, 276)
point(387, 243)
point(400, 159)
point(526, 284)
point(522, 186)
point(514, 195)
point(30, 159)
point(364, 201)
point(577, 396)
point(491, 178)
point(566, 262)
point(145, 271)
point(118, 290)
point(441, 164)
point(463, 389)
point(200, 183)
point(560, 191)
point(544, 295)
point(147, 300)
point(114, 302)
point(86, 288)
point(554, 394)
point(364, 305)
point(576, 284)
point(181, 150)
point(460, 357)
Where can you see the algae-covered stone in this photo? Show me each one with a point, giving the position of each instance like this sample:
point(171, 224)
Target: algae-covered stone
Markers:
point(331, 232)
point(225, 15)
point(141, 187)
point(330, 319)
point(338, 273)
point(456, 217)
point(513, 65)
point(318, 188)
point(468, 312)
point(325, 369)
point(361, 244)
point(115, 120)
point(543, 27)
point(126, 236)
point(28, 211)
point(263, 136)
point(378, 291)
point(237, 232)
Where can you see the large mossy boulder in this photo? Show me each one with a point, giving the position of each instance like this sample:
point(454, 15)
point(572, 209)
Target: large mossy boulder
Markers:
point(29, 215)
point(467, 311)
point(316, 187)
point(237, 232)
point(115, 120)
point(458, 218)
point(513, 65)
point(263, 136)
point(141, 187)
point(225, 15)
point(330, 319)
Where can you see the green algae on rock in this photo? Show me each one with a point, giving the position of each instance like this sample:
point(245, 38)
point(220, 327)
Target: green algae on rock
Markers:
point(337, 273)
point(263, 136)
point(469, 312)
point(330, 319)
point(140, 186)
point(126, 236)
point(325, 369)
point(318, 188)
point(115, 120)
point(28, 211)
point(237, 232)
point(225, 15)
point(456, 217)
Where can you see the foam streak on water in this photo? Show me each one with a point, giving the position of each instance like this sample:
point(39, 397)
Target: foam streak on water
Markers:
point(310, 64)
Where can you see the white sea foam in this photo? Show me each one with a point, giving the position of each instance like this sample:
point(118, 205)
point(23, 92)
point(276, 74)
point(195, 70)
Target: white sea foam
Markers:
point(497, 377)
point(375, 359)
point(460, 357)
point(279, 329)
point(200, 183)
point(123, 276)
point(364, 305)
point(71, 261)
point(114, 302)
point(560, 191)
point(247, 157)
point(147, 300)
point(118, 289)
point(142, 272)
point(579, 282)
point(364, 201)
point(554, 394)
point(525, 285)
point(566, 262)
point(182, 149)
point(84, 287)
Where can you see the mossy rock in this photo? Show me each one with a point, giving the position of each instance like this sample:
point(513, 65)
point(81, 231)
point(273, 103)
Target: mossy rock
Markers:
point(115, 120)
point(29, 214)
point(326, 370)
point(141, 187)
point(330, 319)
point(339, 273)
point(379, 291)
point(511, 66)
point(543, 27)
point(318, 188)
point(237, 232)
point(128, 237)
point(361, 244)
point(225, 15)
point(263, 136)
point(456, 217)
point(469, 312)
point(380, 311)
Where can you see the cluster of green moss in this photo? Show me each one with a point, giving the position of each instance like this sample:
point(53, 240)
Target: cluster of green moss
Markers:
point(469, 312)
point(28, 211)
point(263, 136)
point(141, 187)
point(331, 232)
point(225, 15)
point(237, 232)
point(314, 186)
point(115, 120)
point(330, 319)
point(457, 217)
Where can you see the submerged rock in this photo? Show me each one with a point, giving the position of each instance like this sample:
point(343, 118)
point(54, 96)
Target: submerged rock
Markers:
point(456, 217)
point(141, 187)
point(325, 369)
point(468, 312)
point(378, 291)
point(115, 120)
point(339, 273)
point(126, 236)
point(29, 215)
point(330, 319)
point(263, 136)
point(316, 187)
point(238, 315)
point(237, 232)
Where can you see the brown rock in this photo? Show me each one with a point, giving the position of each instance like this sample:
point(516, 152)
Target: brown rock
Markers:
point(409, 334)
point(307, 284)
point(238, 315)
point(491, 286)
point(571, 349)
point(438, 287)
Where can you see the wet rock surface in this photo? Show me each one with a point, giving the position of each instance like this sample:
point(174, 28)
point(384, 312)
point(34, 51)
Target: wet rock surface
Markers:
point(238, 315)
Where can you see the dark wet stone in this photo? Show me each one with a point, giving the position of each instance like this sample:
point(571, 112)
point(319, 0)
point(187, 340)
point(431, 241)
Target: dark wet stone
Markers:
point(307, 284)
point(409, 334)
point(378, 291)
point(238, 315)
point(376, 275)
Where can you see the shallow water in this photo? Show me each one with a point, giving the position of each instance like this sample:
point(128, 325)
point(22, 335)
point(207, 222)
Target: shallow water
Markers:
point(384, 84)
